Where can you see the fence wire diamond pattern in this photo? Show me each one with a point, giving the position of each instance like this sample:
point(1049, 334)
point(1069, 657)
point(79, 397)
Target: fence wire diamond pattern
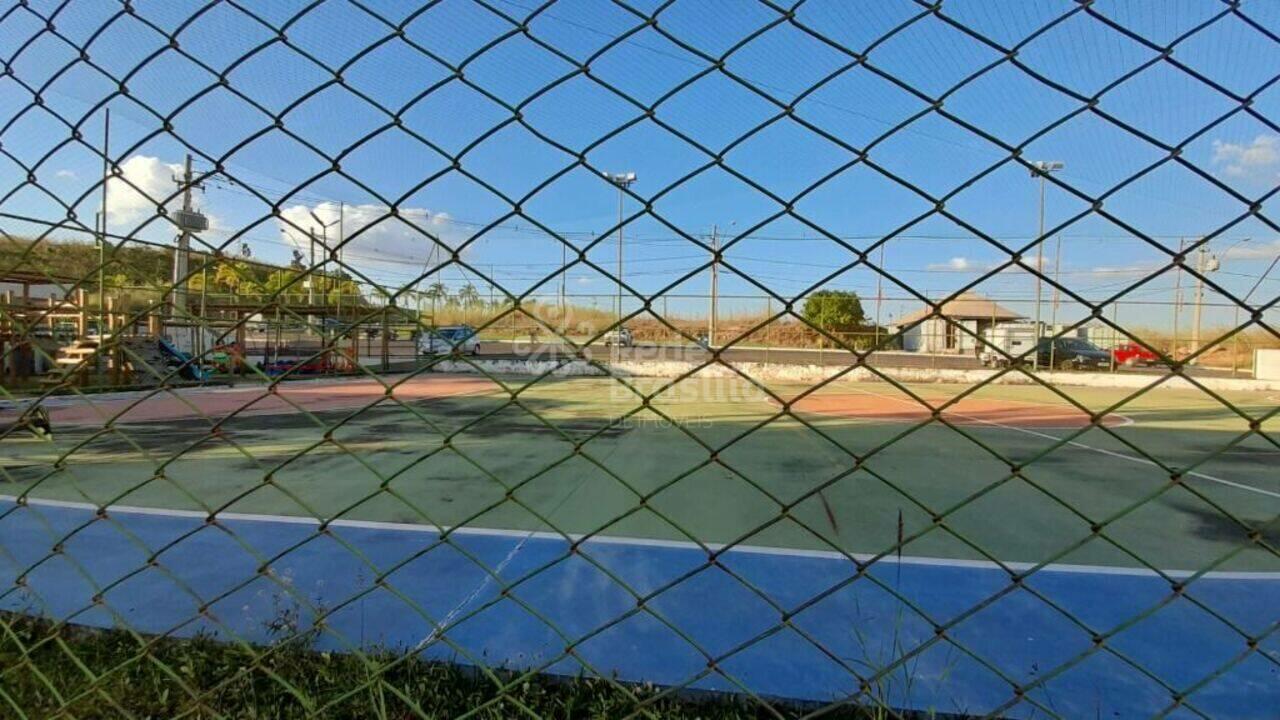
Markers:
point(298, 454)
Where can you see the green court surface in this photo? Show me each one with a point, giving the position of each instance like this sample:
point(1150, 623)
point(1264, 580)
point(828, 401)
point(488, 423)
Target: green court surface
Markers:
point(710, 469)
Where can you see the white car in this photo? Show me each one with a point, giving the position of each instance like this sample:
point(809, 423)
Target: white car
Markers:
point(446, 340)
point(620, 337)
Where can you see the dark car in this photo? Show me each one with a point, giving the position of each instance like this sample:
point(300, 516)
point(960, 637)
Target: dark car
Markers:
point(1071, 354)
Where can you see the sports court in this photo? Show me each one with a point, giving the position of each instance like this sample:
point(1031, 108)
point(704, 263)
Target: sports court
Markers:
point(506, 520)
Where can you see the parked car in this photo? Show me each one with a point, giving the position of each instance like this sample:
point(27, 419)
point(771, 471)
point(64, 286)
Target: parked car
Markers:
point(1133, 354)
point(450, 339)
point(620, 337)
point(1071, 354)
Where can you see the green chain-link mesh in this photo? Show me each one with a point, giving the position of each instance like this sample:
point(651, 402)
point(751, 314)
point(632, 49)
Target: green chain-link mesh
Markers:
point(36, 214)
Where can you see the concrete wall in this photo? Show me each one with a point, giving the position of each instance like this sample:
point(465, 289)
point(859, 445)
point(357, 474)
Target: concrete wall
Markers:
point(1266, 364)
point(818, 373)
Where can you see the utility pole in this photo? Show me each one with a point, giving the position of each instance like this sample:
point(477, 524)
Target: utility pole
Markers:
point(1205, 263)
point(189, 222)
point(342, 236)
point(715, 278)
point(1177, 300)
point(311, 279)
point(1202, 263)
point(879, 292)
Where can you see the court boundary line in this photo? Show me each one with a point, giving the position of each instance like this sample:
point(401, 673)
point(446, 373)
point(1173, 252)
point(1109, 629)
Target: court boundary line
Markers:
point(639, 542)
point(1125, 420)
point(74, 400)
point(96, 401)
point(1110, 453)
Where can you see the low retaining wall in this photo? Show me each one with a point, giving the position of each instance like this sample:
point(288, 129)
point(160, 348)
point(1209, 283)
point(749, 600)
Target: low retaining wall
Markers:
point(816, 373)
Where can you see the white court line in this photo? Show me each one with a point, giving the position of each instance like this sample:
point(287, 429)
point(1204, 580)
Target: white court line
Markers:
point(72, 400)
point(1104, 451)
point(524, 535)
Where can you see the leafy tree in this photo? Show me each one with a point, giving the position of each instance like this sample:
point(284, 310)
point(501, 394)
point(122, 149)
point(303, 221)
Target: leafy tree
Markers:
point(834, 310)
point(348, 290)
point(230, 275)
point(286, 280)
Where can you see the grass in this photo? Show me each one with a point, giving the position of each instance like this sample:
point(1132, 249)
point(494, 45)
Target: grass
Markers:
point(53, 670)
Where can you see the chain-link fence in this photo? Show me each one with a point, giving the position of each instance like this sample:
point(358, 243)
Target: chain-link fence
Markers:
point(639, 359)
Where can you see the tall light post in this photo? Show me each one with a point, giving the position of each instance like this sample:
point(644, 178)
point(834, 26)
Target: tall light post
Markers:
point(1041, 169)
point(324, 243)
point(623, 181)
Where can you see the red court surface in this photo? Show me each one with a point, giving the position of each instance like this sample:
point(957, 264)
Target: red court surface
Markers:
point(968, 411)
point(286, 397)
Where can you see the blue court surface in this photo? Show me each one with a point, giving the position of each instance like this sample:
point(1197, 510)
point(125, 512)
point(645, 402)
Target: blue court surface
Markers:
point(810, 628)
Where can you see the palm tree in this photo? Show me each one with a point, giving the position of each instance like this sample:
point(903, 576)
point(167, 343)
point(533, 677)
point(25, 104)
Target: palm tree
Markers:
point(467, 297)
point(437, 292)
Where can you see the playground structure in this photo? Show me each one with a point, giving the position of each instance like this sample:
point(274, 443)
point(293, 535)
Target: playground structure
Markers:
point(52, 335)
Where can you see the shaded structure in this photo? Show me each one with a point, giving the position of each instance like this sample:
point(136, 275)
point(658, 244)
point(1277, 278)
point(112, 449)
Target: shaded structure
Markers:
point(946, 334)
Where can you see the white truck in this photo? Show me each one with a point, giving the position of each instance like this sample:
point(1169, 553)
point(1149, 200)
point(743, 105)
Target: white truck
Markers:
point(1014, 339)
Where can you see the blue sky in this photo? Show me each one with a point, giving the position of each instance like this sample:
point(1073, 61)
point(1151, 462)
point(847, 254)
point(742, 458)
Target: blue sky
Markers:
point(769, 63)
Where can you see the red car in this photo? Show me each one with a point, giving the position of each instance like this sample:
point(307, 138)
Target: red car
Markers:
point(314, 366)
point(1132, 354)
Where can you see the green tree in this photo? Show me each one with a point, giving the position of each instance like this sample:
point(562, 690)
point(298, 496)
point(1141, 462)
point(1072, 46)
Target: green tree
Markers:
point(231, 275)
point(286, 281)
point(347, 289)
point(834, 311)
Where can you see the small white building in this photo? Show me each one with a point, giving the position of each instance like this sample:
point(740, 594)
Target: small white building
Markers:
point(969, 311)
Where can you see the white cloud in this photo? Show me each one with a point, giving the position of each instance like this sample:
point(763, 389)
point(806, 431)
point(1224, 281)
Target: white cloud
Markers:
point(1259, 159)
point(149, 175)
point(1134, 270)
point(65, 175)
point(1254, 250)
point(960, 264)
point(387, 241)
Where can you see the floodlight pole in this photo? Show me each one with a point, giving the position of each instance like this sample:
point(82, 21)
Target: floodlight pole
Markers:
point(102, 237)
point(715, 280)
point(623, 181)
point(311, 281)
point(1041, 169)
